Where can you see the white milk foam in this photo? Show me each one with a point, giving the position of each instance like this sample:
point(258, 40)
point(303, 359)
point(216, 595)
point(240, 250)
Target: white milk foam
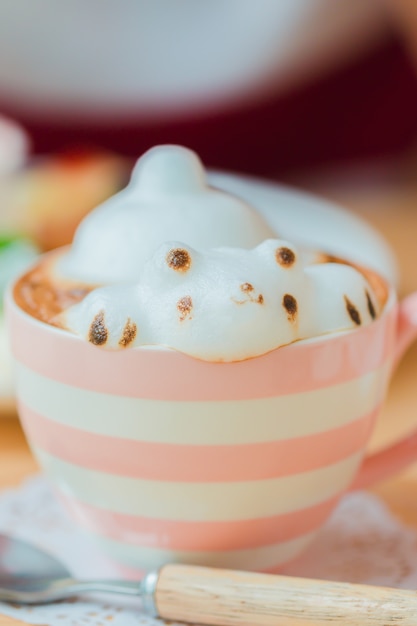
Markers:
point(194, 269)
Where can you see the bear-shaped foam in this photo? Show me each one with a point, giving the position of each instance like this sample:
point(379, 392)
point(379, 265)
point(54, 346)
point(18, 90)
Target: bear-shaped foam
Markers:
point(172, 262)
point(167, 199)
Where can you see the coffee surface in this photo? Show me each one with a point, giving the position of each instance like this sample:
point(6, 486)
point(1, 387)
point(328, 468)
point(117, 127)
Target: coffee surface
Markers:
point(44, 298)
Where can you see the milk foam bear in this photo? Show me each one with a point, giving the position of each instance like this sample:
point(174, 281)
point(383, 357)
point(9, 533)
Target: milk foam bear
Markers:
point(191, 268)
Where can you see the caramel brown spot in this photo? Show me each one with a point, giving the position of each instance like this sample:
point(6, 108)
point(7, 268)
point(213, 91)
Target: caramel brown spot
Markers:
point(246, 287)
point(285, 257)
point(185, 306)
point(129, 333)
point(290, 305)
point(98, 332)
point(371, 307)
point(179, 259)
point(353, 312)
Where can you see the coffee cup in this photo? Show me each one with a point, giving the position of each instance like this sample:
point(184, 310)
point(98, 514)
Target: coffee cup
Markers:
point(163, 457)
point(205, 399)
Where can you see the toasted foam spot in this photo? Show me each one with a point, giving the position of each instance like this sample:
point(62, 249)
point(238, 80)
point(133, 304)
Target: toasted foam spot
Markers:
point(179, 259)
point(353, 312)
point(246, 287)
point(285, 256)
point(290, 305)
point(185, 306)
point(98, 333)
point(378, 286)
point(129, 334)
point(371, 307)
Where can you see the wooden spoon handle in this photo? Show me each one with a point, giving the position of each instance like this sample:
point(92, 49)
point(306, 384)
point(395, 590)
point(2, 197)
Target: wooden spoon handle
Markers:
point(9, 621)
point(228, 598)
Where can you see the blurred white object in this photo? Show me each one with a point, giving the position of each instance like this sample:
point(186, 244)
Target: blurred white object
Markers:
point(14, 146)
point(6, 377)
point(162, 58)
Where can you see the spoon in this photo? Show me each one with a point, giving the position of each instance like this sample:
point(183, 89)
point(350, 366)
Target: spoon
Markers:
point(188, 593)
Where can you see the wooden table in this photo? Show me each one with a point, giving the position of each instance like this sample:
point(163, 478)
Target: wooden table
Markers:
point(393, 210)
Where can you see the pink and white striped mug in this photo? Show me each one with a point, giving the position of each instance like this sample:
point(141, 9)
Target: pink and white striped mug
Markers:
point(165, 458)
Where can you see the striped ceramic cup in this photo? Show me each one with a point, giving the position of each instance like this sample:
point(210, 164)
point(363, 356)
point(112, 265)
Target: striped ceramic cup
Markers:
point(165, 458)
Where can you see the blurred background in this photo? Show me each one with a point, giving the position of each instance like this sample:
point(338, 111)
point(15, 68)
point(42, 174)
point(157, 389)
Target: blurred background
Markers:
point(315, 93)
point(266, 88)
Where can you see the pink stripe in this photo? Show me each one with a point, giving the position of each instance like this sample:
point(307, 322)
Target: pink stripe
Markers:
point(170, 375)
point(216, 463)
point(180, 535)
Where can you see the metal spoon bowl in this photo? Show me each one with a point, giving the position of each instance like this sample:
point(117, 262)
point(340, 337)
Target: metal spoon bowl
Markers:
point(29, 575)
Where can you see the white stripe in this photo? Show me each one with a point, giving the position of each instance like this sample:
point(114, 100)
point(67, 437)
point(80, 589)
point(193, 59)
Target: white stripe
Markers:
point(205, 423)
point(201, 501)
point(266, 557)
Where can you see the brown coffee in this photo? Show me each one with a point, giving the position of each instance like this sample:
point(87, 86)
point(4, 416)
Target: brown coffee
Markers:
point(43, 296)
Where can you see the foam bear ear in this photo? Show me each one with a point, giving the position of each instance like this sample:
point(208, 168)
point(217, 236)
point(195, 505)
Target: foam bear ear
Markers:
point(172, 263)
point(279, 254)
point(177, 257)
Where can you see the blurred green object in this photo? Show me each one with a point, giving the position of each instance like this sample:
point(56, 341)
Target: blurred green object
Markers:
point(6, 240)
point(16, 253)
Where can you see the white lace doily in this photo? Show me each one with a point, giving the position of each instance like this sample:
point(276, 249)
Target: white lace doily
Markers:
point(362, 542)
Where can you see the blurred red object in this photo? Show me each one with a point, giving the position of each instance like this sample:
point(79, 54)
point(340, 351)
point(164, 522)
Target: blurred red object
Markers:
point(365, 109)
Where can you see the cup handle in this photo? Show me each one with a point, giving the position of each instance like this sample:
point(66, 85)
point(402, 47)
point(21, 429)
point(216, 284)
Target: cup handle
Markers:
point(394, 458)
